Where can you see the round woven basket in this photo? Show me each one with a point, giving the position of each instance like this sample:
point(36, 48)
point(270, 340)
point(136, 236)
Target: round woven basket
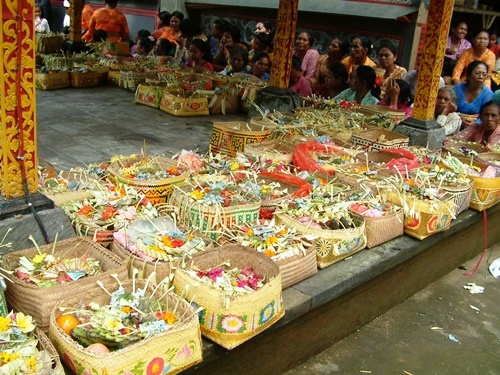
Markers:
point(156, 191)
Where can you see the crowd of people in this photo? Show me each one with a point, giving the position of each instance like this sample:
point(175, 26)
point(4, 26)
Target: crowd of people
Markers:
point(348, 71)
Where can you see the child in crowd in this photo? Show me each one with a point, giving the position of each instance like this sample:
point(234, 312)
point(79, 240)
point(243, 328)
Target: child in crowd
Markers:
point(41, 24)
point(199, 55)
point(164, 50)
point(298, 83)
point(398, 96)
point(239, 59)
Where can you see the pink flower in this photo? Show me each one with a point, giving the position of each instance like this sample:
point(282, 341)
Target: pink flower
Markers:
point(185, 352)
point(213, 274)
point(156, 366)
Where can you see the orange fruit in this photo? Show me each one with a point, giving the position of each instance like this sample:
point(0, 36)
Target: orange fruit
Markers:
point(67, 322)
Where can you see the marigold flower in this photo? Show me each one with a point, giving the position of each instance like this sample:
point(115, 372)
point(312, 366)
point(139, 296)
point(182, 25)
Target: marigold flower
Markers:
point(4, 323)
point(86, 210)
point(127, 309)
point(271, 240)
point(108, 213)
point(39, 258)
point(270, 252)
point(197, 194)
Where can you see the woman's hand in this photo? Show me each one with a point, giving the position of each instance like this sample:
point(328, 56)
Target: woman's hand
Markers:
point(393, 91)
point(449, 108)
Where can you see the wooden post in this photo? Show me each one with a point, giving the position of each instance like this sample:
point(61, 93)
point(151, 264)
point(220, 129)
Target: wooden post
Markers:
point(75, 13)
point(284, 43)
point(431, 64)
point(18, 148)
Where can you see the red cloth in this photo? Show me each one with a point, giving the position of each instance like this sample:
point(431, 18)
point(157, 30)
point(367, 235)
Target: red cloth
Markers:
point(206, 65)
point(87, 13)
point(170, 34)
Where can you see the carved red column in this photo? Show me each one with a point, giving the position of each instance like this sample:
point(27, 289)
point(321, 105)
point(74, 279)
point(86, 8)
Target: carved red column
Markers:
point(18, 148)
point(284, 42)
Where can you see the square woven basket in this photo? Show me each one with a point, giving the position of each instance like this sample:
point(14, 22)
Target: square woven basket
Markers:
point(52, 81)
point(231, 137)
point(37, 301)
point(176, 104)
point(247, 315)
point(378, 139)
point(169, 352)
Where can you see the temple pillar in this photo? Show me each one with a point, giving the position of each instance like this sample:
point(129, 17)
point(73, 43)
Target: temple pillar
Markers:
point(18, 152)
point(422, 127)
point(278, 96)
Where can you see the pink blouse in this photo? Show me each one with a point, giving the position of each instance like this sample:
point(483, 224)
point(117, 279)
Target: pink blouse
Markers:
point(309, 62)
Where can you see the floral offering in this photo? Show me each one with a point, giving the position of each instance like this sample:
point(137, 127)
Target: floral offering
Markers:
point(145, 168)
point(46, 270)
point(274, 240)
point(224, 193)
point(372, 208)
point(19, 354)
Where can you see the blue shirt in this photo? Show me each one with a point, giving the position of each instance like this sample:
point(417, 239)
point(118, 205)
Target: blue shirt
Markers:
point(473, 107)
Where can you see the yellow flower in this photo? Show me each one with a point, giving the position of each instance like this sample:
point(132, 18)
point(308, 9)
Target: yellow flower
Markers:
point(32, 365)
point(271, 239)
point(270, 252)
point(127, 309)
point(39, 258)
point(24, 322)
point(4, 323)
point(250, 232)
point(197, 194)
point(8, 357)
point(112, 324)
point(234, 165)
point(169, 317)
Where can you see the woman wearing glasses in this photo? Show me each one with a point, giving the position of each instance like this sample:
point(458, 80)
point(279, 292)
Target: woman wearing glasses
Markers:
point(480, 52)
point(473, 93)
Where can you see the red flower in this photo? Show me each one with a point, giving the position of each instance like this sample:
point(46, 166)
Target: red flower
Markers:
point(108, 213)
point(345, 104)
point(156, 366)
point(378, 81)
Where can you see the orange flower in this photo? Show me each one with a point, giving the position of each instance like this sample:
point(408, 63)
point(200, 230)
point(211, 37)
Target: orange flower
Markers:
point(85, 210)
point(270, 253)
point(108, 213)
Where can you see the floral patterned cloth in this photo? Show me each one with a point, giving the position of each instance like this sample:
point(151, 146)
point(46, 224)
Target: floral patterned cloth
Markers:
point(398, 73)
point(309, 62)
point(475, 133)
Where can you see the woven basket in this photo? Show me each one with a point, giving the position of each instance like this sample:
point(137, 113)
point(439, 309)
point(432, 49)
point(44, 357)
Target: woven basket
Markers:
point(394, 116)
point(89, 79)
point(231, 137)
point(291, 124)
point(156, 191)
point(77, 195)
point(377, 157)
point(48, 43)
point(490, 158)
point(277, 151)
point(178, 104)
point(38, 302)
point(455, 147)
point(247, 315)
point(52, 81)
point(485, 193)
point(378, 139)
point(298, 267)
point(148, 95)
point(45, 344)
point(214, 221)
point(379, 230)
point(193, 82)
point(268, 206)
point(114, 77)
point(331, 245)
point(461, 196)
point(423, 219)
point(224, 104)
point(172, 351)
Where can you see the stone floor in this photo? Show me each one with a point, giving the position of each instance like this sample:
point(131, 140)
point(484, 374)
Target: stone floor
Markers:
point(80, 126)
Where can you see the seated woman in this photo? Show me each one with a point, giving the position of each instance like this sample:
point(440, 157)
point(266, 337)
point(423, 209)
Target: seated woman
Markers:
point(487, 131)
point(239, 59)
point(308, 56)
point(472, 94)
point(163, 21)
point(199, 55)
point(143, 33)
point(110, 20)
point(262, 43)
point(360, 52)
point(173, 31)
point(362, 87)
point(456, 45)
point(335, 80)
point(445, 112)
point(298, 83)
point(478, 51)
point(337, 50)
point(398, 96)
point(387, 56)
point(260, 64)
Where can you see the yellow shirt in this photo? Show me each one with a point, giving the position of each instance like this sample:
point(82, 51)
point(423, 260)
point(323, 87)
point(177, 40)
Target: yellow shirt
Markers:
point(467, 57)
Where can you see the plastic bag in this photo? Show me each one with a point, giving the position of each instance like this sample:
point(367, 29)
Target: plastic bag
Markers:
point(303, 156)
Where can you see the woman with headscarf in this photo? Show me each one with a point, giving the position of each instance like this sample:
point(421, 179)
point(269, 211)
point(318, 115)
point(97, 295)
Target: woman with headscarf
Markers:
point(110, 20)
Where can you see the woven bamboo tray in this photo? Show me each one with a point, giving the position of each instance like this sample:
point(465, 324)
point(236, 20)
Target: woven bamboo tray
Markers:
point(378, 139)
point(214, 221)
point(291, 124)
point(37, 301)
point(231, 137)
point(490, 158)
point(172, 351)
point(52, 81)
point(149, 95)
point(423, 218)
point(374, 182)
point(379, 230)
point(331, 245)
point(156, 191)
point(45, 344)
point(247, 315)
point(298, 268)
point(377, 157)
point(456, 147)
